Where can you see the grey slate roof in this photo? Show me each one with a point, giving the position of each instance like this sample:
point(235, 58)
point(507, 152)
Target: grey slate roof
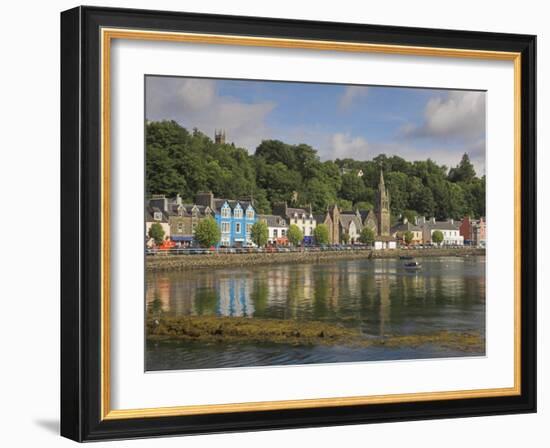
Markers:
point(347, 218)
point(273, 220)
point(320, 219)
point(218, 204)
point(150, 211)
point(300, 211)
point(404, 227)
point(443, 225)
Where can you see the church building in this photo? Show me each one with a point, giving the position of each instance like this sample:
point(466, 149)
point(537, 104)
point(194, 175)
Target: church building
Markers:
point(346, 226)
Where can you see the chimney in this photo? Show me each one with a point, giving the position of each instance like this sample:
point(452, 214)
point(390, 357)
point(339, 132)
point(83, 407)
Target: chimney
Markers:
point(205, 198)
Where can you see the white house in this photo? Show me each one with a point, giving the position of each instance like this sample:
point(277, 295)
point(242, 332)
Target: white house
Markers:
point(277, 228)
point(303, 218)
point(449, 229)
point(385, 242)
point(155, 215)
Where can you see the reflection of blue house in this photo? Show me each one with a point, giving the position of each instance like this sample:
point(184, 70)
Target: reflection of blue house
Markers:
point(234, 297)
point(234, 218)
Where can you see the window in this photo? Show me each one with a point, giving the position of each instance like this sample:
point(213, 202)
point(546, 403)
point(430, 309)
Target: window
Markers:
point(248, 228)
point(275, 233)
point(226, 212)
point(283, 232)
point(250, 214)
point(225, 227)
point(180, 227)
point(157, 216)
point(238, 213)
point(238, 226)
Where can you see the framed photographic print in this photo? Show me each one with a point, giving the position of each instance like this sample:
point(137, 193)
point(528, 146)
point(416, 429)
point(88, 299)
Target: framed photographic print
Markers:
point(272, 223)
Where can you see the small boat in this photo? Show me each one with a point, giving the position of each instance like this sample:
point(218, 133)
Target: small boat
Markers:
point(413, 265)
point(406, 257)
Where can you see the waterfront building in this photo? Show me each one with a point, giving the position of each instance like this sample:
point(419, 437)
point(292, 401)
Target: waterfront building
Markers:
point(351, 223)
point(473, 231)
point(383, 239)
point(235, 218)
point(383, 208)
point(342, 225)
point(277, 229)
point(182, 218)
point(350, 227)
point(450, 230)
point(369, 220)
point(301, 217)
point(154, 215)
point(398, 231)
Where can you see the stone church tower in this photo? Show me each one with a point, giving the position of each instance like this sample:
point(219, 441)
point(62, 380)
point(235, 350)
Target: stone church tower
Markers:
point(383, 208)
point(334, 227)
point(219, 136)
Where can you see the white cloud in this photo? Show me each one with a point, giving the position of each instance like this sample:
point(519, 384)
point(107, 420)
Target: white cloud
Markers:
point(344, 145)
point(459, 114)
point(197, 103)
point(350, 95)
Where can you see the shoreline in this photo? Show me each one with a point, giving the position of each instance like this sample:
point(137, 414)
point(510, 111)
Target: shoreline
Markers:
point(164, 263)
point(212, 329)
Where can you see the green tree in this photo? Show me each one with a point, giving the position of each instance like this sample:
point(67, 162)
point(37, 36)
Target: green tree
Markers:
point(345, 237)
point(157, 233)
point(353, 188)
point(181, 161)
point(410, 215)
point(344, 204)
point(207, 232)
point(366, 236)
point(364, 206)
point(321, 234)
point(437, 237)
point(463, 172)
point(295, 235)
point(408, 237)
point(319, 194)
point(397, 184)
point(259, 233)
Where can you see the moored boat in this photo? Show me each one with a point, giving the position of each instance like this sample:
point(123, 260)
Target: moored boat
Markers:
point(413, 265)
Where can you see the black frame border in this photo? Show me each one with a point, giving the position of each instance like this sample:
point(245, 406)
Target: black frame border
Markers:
point(81, 223)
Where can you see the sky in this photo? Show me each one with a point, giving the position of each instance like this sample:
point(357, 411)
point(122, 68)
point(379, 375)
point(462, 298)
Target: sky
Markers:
point(339, 121)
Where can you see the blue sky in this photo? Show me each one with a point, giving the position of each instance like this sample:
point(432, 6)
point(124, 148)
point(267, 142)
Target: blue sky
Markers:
point(338, 120)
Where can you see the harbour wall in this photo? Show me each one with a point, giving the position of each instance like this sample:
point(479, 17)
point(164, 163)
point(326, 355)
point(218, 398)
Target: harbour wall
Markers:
point(165, 262)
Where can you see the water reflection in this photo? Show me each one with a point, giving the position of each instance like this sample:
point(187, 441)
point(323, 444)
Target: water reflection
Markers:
point(377, 296)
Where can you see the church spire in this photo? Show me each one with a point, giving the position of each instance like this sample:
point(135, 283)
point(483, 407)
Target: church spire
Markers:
point(381, 183)
point(383, 208)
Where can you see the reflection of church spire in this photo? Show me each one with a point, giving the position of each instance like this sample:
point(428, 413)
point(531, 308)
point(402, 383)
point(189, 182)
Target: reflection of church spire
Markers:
point(385, 303)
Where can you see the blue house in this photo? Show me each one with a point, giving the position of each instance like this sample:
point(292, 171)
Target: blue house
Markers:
point(234, 218)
